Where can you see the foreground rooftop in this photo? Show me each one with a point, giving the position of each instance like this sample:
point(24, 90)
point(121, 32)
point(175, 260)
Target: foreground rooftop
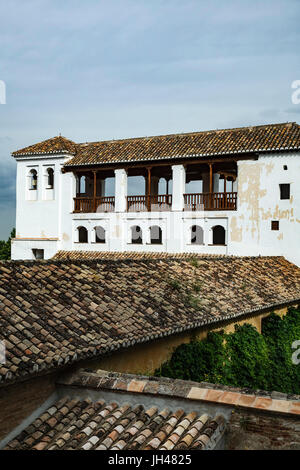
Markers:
point(112, 411)
point(55, 312)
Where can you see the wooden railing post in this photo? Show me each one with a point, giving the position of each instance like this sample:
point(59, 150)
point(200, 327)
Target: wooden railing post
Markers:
point(95, 191)
point(149, 189)
point(210, 185)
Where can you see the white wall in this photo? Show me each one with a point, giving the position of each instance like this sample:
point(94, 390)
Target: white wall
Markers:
point(176, 231)
point(22, 249)
point(259, 203)
point(248, 229)
point(41, 215)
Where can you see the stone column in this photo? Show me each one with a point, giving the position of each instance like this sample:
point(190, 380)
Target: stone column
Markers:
point(178, 188)
point(120, 190)
point(76, 235)
point(146, 233)
point(92, 233)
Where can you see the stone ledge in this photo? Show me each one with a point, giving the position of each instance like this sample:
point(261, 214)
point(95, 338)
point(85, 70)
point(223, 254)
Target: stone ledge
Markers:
point(209, 393)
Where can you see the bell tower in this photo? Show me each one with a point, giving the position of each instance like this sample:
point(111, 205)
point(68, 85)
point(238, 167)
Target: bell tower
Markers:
point(40, 193)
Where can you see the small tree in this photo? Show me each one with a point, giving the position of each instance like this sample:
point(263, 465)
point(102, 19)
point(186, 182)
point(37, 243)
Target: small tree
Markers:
point(5, 246)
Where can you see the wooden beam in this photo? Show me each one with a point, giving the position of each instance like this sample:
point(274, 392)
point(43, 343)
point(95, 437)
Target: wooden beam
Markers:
point(95, 183)
point(95, 188)
point(210, 203)
point(170, 162)
point(227, 173)
point(210, 177)
point(149, 188)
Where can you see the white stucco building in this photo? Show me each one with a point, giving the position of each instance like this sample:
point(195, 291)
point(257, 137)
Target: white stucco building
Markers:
point(233, 191)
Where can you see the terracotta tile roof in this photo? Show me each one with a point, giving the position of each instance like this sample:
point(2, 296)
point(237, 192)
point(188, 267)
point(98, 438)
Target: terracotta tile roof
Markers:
point(56, 312)
point(84, 425)
point(94, 255)
point(265, 138)
point(57, 144)
point(141, 415)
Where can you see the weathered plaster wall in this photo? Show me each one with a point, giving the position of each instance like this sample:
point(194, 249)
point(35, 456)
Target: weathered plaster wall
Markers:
point(259, 203)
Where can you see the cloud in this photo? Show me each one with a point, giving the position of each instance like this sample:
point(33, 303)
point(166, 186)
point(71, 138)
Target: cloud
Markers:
point(8, 186)
point(98, 70)
point(293, 110)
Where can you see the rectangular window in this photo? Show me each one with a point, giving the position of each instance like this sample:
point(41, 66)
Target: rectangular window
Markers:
point(38, 254)
point(284, 191)
point(275, 225)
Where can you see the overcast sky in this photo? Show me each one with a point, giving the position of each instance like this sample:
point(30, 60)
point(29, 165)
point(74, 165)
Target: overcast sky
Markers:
point(101, 69)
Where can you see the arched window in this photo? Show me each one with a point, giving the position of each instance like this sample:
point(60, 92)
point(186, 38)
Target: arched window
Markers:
point(155, 235)
point(33, 181)
point(50, 178)
point(196, 235)
point(218, 235)
point(100, 235)
point(82, 235)
point(136, 235)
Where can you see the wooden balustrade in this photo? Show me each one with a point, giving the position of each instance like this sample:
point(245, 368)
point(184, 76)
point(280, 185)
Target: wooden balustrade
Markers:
point(210, 201)
point(97, 204)
point(105, 204)
point(161, 202)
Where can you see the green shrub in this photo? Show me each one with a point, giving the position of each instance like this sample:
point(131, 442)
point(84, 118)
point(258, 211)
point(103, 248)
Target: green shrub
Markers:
point(243, 358)
point(198, 360)
point(279, 334)
point(247, 358)
point(174, 284)
point(5, 250)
